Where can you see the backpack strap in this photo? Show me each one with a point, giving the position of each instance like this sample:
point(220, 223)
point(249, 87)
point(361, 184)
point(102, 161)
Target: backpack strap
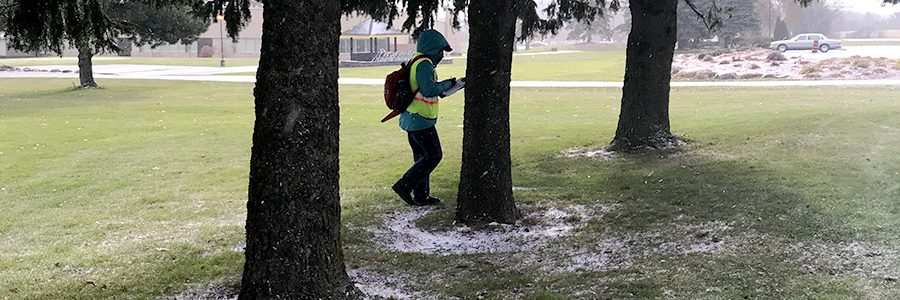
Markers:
point(412, 63)
point(416, 58)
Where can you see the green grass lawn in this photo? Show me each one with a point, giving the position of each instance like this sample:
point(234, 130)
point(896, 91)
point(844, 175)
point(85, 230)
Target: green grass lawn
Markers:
point(138, 190)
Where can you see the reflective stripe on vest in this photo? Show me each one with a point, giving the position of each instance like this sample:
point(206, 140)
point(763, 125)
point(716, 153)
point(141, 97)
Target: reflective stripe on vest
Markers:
point(424, 99)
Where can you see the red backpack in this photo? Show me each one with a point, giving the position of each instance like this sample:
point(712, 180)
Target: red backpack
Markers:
point(398, 93)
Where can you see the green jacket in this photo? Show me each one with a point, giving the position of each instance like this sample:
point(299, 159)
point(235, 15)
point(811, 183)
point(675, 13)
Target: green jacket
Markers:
point(423, 112)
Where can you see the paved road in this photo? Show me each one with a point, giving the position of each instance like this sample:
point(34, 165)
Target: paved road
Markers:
point(534, 84)
point(892, 52)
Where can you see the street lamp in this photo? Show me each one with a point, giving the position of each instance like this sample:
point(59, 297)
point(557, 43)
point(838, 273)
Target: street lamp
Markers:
point(221, 18)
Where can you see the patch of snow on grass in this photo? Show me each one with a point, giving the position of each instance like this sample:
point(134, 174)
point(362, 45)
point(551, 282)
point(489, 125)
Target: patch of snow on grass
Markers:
point(857, 258)
point(403, 235)
point(211, 291)
point(579, 152)
point(379, 286)
point(618, 252)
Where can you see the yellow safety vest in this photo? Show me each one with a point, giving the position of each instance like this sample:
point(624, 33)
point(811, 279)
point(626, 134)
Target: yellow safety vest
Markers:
point(427, 107)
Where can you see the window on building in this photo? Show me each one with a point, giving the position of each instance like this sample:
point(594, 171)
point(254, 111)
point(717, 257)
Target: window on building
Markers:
point(382, 45)
point(345, 46)
point(361, 45)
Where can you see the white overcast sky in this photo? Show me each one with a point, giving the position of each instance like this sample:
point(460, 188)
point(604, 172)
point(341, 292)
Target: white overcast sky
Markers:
point(873, 6)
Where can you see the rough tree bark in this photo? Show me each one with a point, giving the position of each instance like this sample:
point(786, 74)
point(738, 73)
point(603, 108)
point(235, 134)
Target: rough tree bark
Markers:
point(293, 213)
point(644, 118)
point(485, 186)
point(86, 67)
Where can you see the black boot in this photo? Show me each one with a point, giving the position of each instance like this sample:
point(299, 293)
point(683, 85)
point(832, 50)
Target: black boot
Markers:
point(428, 201)
point(404, 192)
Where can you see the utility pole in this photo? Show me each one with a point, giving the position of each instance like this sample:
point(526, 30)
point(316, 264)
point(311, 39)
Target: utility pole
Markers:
point(221, 18)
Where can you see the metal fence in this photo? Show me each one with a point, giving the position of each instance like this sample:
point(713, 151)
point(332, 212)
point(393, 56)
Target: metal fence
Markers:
point(399, 56)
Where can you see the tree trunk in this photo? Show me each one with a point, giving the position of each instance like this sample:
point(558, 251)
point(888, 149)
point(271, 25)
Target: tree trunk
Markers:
point(485, 185)
point(644, 118)
point(86, 67)
point(293, 214)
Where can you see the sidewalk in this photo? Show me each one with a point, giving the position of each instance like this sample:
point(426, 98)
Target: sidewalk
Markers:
point(148, 70)
point(529, 84)
point(174, 70)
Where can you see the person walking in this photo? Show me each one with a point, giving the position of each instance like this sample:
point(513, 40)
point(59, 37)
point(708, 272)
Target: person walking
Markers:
point(420, 118)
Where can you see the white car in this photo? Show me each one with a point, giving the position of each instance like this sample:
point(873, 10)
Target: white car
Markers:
point(805, 42)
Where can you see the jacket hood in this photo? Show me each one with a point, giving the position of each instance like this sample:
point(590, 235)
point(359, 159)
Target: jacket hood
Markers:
point(431, 43)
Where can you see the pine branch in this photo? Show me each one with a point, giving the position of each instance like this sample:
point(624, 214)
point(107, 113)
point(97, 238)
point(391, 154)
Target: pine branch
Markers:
point(8, 7)
point(712, 20)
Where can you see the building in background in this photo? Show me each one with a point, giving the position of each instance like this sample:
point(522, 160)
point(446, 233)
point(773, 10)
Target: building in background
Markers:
point(360, 35)
point(369, 37)
point(6, 51)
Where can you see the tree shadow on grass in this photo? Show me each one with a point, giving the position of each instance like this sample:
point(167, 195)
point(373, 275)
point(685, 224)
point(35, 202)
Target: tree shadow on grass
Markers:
point(657, 190)
point(668, 202)
point(652, 194)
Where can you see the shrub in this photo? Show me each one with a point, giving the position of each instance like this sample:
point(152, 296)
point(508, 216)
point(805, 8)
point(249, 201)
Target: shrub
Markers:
point(705, 75)
point(751, 76)
point(750, 39)
point(686, 74)
point(809, 70)
point(861, 64)
point(207, 51)
point(776, 56)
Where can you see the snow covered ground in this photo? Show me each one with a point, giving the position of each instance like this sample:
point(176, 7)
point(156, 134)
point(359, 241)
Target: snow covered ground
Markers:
point(870, 63)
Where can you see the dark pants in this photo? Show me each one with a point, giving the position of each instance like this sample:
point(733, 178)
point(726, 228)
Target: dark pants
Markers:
point(426, 148)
